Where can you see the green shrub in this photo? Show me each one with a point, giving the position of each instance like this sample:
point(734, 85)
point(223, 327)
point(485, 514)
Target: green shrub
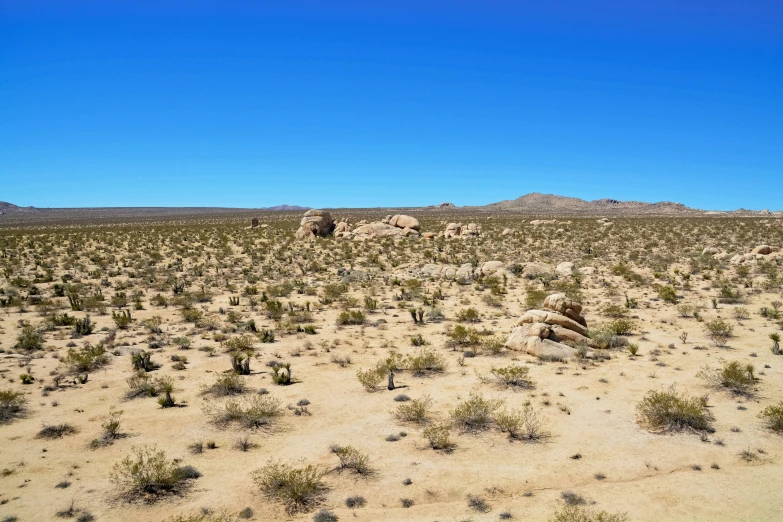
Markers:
point(534, 298)
point(416, 410)
point(468, 315)
point(734, 376)
point(572, 513)
point(439, 436)
point(475, 413)
point(281, 375)
point(351, 317)
point(622, 326)
point(371, 379)
point(191, 315)
point(12, 405)
point(463, 336)
point(773, 417)
point(514, 375)
point(226, 384)
point(668, 293)
point(29, 339)
point(719, 331)
point(299, 489)
point(147, 472)
point(668, 410)
point(525, 424)
point(427, 361)
point(88, 359)
point(353, 459)
point(253, 411)
point(606, 338)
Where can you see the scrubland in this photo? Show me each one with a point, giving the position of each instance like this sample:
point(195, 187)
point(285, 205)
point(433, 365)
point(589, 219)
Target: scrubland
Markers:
point(203, 370)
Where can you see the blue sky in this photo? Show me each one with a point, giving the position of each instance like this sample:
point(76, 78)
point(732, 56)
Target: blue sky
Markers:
point(346, 104)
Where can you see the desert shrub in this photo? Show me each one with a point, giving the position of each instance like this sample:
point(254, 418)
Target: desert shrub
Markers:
point(29, 339)
point(147, 472)
point(729, 295)
point(733, 376)
point(141, 384)
point(606, 338)
point(88, 359)
point(226, 384)
point(526, 424)
point(371, 379)
point(355, 501)
point(685, 309)
point(462, 336)
point(439, 436)
point(122, 319)
point(667, 410)
point(534, 298)
point(614, 311)
point(622, 326)
point(426, 361)
point(668, 293)
point(351, 317)
point(352, 459)
point(253, 411)
point(773, 417)
point(575, 513)
point(191, 315)
point(325, 516)
point(468, 315)
point(281, 374)
point(719, 331)
point(514, 375)
point(475, 413)
point(416, 410)
point(206, 516)
point(55, 431)
point(241, 343)
point(478, 504)
point(299, 489)
point(493, 346)
point(741, 314)
point(12, 405)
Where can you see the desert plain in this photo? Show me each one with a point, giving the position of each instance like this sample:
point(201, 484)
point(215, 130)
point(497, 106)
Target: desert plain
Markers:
point(237, 372)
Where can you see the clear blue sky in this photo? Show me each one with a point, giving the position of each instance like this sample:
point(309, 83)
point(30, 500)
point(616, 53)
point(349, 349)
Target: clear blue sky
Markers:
point(330, 104)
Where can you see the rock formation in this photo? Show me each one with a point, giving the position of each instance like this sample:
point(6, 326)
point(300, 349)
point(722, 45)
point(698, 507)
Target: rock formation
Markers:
point(398, 225)
point(343, 229)
point(551, 333)
point(460, 230)
point(315, 223)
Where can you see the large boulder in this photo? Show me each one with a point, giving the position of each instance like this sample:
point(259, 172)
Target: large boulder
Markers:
point(549, 350)
point(565, 268)
point(710, 251)
point(373, 230)
point(452, 230)
point(558, 331)
point(465, 273)
point(762, 249)
point(315, 223)
point(403, 221)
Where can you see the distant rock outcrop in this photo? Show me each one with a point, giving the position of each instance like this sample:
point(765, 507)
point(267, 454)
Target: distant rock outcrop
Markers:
point(399, 225)
point(315, 223)
point(460, 230)
point(556, 332)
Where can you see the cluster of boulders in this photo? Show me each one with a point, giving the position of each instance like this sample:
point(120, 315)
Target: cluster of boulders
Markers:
point(761, 252)
point(398, 225)
point(556, 332)
point(315, 223)
point(464, 273)
point(343, 229)
point(460, 230)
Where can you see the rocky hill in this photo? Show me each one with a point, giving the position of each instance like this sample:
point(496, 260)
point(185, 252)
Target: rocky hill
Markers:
point(553, 204)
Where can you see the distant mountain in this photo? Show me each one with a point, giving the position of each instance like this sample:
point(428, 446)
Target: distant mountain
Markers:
point(7, 206)
point(550, 203)
point(286, 207)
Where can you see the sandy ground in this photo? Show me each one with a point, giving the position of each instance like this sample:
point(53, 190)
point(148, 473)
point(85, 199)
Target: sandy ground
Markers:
point(589, 407)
